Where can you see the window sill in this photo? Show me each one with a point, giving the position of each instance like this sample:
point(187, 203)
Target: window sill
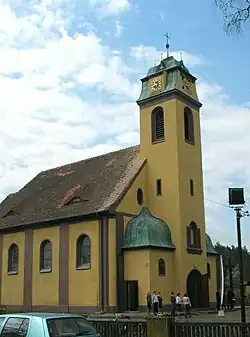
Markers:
point(194, 251)
point(84, 267)
point(158, 141)
point(14, 272)
point(188, 142)
point(45, 270)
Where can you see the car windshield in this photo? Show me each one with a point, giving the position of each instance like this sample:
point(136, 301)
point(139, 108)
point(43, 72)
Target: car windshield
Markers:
point(69, 327)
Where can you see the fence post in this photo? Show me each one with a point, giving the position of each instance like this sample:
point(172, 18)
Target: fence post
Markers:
point(157, 327)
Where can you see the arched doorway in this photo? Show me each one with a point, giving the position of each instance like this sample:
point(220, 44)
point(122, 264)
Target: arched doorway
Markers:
point(194, 288)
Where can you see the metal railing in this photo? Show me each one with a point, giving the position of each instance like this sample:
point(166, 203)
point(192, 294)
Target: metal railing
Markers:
point(121, 328)
point(191, 329)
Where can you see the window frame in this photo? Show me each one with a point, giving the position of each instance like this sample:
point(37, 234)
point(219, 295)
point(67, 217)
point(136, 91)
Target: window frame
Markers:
point(208, 270)
point(79, 250)
point(193, 237)
point(158, 187)
point(158, 112)
point(43, 268)
point(13, 260)
point(161, 267)
point(191, 187)
point(140, 196)
point(189, 126)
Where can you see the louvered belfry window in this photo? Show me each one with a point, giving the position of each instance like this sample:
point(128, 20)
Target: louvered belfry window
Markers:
point(188, 125)
point(158, 132)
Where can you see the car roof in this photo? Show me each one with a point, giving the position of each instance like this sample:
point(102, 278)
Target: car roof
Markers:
point(46, 315)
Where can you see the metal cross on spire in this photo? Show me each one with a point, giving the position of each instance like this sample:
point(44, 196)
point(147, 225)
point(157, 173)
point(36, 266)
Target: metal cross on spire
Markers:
point(167, 44)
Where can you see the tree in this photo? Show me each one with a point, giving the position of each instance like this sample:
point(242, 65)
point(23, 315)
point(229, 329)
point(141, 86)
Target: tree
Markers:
point(235, 13)
point(233, 253)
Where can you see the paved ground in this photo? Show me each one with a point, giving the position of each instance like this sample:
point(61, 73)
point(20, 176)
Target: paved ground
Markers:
point(206, 316)
point(234, 316)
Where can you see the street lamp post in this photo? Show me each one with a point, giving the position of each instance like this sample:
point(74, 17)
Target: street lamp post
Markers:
point(236, 201)
point(242, 288)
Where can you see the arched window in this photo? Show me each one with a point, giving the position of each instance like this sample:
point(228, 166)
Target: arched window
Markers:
point(139, 196)
point(189, 125)
point(83, 252)
point(193, 236)
point(161, 267)
point(208, 270)
point(193, 228)
point(157, 125)
point(46, 255)
point(13, 258)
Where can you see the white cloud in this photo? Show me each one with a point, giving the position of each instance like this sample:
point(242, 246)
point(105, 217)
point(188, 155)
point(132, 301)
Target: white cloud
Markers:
point(151, 55)
point(118, 28)
point(67, 97)
point(111, 7)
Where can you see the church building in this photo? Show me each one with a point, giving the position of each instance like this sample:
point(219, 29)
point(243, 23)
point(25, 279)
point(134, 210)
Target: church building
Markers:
point(98, 234)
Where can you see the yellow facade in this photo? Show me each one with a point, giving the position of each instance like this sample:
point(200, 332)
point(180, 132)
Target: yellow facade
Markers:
point(174, 162)
point(12, 285)
point(84, 284)
point(137, 267)
point(45, 284)
point(163, 284)
point(128, 204)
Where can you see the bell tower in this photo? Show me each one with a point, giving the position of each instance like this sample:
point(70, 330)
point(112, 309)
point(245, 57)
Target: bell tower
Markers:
point(170, 140)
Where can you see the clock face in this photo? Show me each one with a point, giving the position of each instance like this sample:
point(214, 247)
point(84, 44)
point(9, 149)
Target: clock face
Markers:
point(187, 85)
point(156, 84)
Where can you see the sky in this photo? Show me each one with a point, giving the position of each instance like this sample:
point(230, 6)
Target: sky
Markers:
point(70, 74)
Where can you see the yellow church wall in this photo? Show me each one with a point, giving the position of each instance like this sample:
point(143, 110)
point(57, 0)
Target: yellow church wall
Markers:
point(84, 284)
point(112, 262)
point(137, 268)
point(129, 202)
point(192, 207)
point(162, 163)
point(163, 284)
point(12, 285)
point(213, 279)
point(45, 285)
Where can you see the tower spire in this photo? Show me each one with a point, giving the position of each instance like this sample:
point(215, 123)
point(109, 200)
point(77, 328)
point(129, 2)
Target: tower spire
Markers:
point(167, 43)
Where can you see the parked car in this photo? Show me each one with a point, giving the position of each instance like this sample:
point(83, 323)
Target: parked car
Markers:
point(45, 325)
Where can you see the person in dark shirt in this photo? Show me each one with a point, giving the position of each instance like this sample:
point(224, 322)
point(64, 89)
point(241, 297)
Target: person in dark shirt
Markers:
point(218, 300)
point(173, 304)
point(149, 302)
point(160, 301)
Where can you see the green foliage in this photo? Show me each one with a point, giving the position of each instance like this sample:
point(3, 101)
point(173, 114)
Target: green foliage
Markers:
point(233, 254)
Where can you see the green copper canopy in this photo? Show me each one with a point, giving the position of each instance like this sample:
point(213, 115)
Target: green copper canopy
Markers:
point(176, 78)
point(145, 230)
point(167, 64)
point(210, 247)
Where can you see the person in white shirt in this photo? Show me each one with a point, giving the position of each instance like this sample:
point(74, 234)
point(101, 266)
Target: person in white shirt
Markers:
point(178, 303)
point(187, 305)
point(155, 302)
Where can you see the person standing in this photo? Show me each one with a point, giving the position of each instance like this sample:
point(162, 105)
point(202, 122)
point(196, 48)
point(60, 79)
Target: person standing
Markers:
point(155, 302)
point(178, 303)
point(173, 303)
point(160, 301)
point(218, 300)
point(149, 302)
point(187, 305)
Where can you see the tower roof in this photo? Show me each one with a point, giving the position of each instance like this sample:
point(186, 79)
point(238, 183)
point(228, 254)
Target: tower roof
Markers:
point(147, 231)
point(210, 247)
point(167, 64)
